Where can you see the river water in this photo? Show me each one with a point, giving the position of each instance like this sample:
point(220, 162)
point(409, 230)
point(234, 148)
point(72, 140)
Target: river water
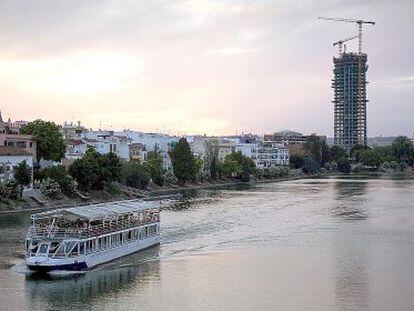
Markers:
point(319, 244)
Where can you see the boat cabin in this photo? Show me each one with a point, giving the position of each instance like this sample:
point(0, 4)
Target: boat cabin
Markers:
point(76, 231)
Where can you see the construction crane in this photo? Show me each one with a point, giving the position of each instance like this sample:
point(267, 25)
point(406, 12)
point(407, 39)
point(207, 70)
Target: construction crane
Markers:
point(359, 23)
point(341, 42)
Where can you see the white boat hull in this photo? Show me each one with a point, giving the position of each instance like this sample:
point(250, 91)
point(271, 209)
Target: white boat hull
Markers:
point(89, 261)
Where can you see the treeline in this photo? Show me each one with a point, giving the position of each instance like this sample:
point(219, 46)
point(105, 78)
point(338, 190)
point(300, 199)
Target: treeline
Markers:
point(320, 157)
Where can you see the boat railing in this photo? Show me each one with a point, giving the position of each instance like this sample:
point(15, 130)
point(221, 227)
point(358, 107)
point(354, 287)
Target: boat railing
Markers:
point(92, 231)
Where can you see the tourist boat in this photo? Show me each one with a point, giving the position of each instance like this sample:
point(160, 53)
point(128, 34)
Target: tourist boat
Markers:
point(80, 238)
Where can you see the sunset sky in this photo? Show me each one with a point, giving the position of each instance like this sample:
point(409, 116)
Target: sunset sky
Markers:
point(214, 67)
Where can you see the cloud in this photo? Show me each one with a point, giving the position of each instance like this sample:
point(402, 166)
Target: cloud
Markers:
point(83, 72)
point(398, 82)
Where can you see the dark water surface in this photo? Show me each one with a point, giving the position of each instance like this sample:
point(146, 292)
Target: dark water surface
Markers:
point(322, 244)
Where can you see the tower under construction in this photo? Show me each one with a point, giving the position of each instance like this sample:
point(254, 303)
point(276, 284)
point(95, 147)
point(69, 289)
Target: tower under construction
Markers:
point(350, 90)
point(350, 100)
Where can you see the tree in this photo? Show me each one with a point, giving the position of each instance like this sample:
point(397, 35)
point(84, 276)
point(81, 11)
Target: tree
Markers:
point(135, 175)
point(154, 166)
point(337, 152)
point(60, 175)
point(310, 166)
point(238, 165)
point(403, 150)
point(198, 163)
point(356, 151)
point(183, 161)
point(93, 171)
point(317, 148)
point(370, 157)
point(344, 166)
point(296, 161)
point(50, 144)
point(22, 175)
point(211, 159)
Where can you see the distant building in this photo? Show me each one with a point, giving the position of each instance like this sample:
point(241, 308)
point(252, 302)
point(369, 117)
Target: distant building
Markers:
point(138, 152)
point(10, 157)
point(9, 127)
point(295, 141)
point(350, 100)
point(73, 130)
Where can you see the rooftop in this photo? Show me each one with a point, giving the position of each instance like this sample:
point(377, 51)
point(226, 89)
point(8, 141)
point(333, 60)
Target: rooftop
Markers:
point(102, 210)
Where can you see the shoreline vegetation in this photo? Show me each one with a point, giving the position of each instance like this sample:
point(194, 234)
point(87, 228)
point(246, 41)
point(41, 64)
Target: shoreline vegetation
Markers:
point(97, 178)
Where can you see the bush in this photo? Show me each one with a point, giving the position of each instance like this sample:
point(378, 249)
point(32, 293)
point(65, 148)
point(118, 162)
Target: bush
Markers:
point(51, 188)
point(113, 189)
point(170, 178)
point(9, 189)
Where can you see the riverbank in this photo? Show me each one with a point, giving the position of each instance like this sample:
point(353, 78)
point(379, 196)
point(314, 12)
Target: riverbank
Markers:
point(169, 191)
point(153, 193)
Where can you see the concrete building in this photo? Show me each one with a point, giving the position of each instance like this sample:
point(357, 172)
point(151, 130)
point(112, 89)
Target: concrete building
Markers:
point(24, 142)
point(350, 99)
point(10, 157)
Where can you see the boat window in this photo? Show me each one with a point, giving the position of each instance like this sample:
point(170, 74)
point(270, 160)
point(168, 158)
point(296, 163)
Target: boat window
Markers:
point(61, 250)
point(43, 248)
point(53, 247)
point(82, 248)
point(74, 252)
point(69, 246)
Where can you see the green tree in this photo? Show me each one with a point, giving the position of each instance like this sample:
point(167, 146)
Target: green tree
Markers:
point(385, 152)
point(198, 163)
point(154, 166)
point(238, 165)
point(370, 157)
point(296, 161)
point(344, 166)
point(50, 144)
point(402, 149)
point(60, 175)
point(183, 162)
point(356, 151)
point(317, 148)
point(135, 175)
point(93, 171)
point(211, 162)
point(310, 166)
point(22, 175)
point(337, 152)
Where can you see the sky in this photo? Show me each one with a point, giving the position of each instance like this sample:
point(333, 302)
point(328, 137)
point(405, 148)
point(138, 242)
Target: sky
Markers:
point(200, 66)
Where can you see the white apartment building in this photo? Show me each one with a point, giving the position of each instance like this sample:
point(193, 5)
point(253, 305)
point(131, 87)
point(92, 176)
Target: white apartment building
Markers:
point(265, 154)
point(10, 157)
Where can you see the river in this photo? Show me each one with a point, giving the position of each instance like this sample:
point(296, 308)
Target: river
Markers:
point(314, 244)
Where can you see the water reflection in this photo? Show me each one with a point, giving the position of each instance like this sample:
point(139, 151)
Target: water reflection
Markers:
point(350, 201)
point(351, 268)
point(74, 292)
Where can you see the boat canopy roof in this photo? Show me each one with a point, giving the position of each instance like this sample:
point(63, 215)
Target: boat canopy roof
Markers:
point(101, 210)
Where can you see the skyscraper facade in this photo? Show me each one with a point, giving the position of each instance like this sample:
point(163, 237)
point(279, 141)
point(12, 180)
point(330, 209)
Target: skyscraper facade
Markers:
point(350, 100)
